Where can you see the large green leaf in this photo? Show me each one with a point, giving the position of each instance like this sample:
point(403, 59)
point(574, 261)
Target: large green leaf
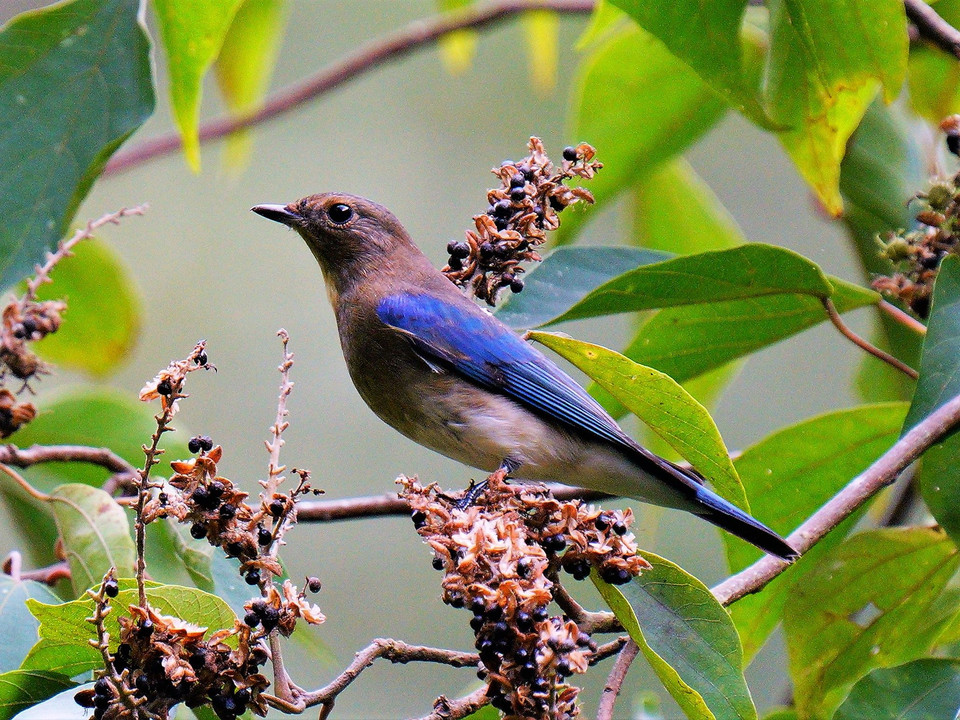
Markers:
point(747, 271)
point(565, 276)
point(94, 533)
point(934, 75)
point(828, 58)
point(65, 632)
point(102, 319)
point(939, 381)
point(74, 83)
point(878, 600)
point(193, 32)
point(787, 476)
point(711, 42)
point(638, 105)
point(927, 689)
point(245, 63)
point(17, 626)
point(20, 689)
point(687, 637)
point(662, 404)
point(687, 341)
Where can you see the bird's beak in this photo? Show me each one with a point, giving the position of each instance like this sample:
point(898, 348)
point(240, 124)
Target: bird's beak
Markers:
point(278, 213)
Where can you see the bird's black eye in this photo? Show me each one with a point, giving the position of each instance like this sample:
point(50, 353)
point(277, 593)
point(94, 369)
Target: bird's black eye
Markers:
point(340, 213)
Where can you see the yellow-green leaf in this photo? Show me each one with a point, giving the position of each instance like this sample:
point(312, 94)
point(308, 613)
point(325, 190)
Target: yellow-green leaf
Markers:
point(661, 403)
point(828, 58)
point(192, 32)
point(457, 48)
point(245, 64)
point(543, 35)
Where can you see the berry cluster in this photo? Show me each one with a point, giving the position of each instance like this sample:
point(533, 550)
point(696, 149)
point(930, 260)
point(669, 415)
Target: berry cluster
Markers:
point(216, 509)
point(281, 611)
point(526, 205)
point(498, 556)
point(916, 255)
point(162, 661)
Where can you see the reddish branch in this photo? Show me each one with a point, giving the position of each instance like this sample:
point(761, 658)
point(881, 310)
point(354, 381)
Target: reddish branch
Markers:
point(864, 344)
point(615, 680)
point(416, 35)
point(933, 27)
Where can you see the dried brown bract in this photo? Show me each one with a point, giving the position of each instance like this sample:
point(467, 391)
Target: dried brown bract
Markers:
point(13, 414)
point(168, 383)
point(498, 556)
point(281, 610)
point(527, 204)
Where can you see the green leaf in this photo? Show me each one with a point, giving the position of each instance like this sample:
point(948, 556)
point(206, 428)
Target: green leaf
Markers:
point(565, 276)
point(639, 105)
point(787, 476)
point(926, 689)
point(18, 628)
point(102, 320)
point(711, 42)
point(879, 599)
point(245, 64)
point(676, 211)
point(884, 166)
point(74, 84)
point(939, 381)
point(747, 271)
point(827, 61)
point(193, 32)
point(20, 689)
point(684, 342)
point(661, 403)
point(65, 632)
point(95, 534)
point(933, 75)
point(604, 18)
point(686, 636)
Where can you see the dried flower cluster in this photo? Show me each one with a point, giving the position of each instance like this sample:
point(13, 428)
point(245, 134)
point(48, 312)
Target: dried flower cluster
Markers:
point(498, 556)
point(162, 661)
point(526, 205)
point(916, 254)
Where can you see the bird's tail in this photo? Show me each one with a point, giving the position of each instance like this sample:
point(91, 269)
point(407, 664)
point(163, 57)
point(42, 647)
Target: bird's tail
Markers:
point(716, 510)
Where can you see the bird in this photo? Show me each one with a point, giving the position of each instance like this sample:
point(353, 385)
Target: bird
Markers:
point(434, 365)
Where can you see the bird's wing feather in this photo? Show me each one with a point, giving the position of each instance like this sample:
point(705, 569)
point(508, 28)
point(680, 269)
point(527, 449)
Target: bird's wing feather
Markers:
point(485, 351)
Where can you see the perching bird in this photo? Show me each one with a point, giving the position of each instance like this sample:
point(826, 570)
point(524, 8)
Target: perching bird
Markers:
point(450, 376)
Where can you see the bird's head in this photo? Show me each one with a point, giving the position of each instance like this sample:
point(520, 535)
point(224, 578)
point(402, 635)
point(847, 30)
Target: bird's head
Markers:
point(347, 234)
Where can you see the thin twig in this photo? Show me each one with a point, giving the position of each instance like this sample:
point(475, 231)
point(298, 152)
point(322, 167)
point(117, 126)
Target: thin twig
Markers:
point(607, 649)
point(933, 27)
point(416, 35)
point(446, 709)
point(49, 575)
point(36, 454)
point(64, 247)
point(901, 317)
point(615, 680)
point(391, 504)
point(27, 487)
point(863, 344)
point(393, 650)
point(880, 474)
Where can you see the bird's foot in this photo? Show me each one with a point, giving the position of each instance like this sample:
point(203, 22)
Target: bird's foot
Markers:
point(495, 479)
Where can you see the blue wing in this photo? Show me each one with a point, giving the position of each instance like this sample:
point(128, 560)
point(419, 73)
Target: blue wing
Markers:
point(463, 338)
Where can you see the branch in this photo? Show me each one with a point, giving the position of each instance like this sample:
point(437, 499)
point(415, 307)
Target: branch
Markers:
point(417, 34)
point(863, 344)
point(392, 650)
point(50, 575)
point(883, 472)
point(444, 709)
point(36, 454)
point(901, 317)
point(932, 27)
point(615, 680)
point(391, 504)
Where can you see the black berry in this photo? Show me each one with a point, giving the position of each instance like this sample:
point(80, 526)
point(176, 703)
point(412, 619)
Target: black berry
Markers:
point(615, 575)
point(476, 622)
point(419, 519)
point(264, 536)
point(276, 508)
point(602, 523)
point(227, 511)
point(620, 528)
point(313, 584)
point(516, 285)
point(517, 181)
point(111, 589)
point(570, 153)
point(518, 194)
point(194, 445)
point(503, 209)
point(251, 619)
point(198, 531)
point(953, 143)
point(201, 358)
point(253, 577)
point(164, 387)
point(437, 562)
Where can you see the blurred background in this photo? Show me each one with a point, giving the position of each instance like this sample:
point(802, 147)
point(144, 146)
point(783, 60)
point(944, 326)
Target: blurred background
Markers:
point(422, 142)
